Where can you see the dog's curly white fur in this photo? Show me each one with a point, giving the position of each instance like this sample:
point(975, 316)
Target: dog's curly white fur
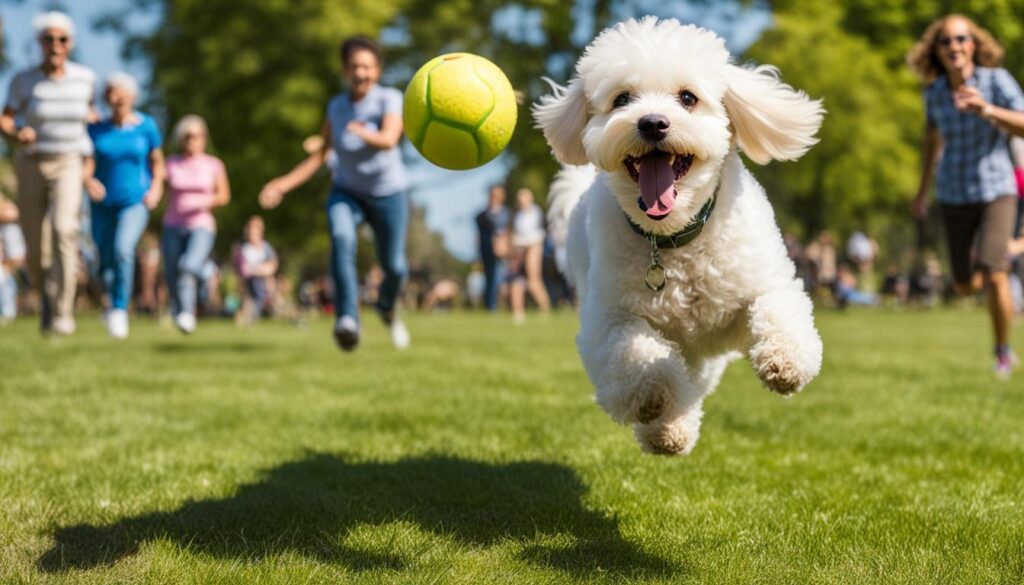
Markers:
point(654, 356)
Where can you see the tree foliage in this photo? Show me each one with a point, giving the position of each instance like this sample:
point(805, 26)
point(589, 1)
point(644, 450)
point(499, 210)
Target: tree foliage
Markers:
point(865, 163)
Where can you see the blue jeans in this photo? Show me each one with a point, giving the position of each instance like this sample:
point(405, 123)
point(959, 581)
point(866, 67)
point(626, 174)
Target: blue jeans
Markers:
point(185, 251)
point(8, 295)
point(389, 218)
point(116, 231)
point(494, 274)
point(257, 287)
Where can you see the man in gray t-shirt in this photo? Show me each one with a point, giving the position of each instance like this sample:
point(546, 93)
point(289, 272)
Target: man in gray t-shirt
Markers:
point(46, 113)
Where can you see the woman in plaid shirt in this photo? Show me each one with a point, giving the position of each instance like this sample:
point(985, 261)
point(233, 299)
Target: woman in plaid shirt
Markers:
point(972, 106)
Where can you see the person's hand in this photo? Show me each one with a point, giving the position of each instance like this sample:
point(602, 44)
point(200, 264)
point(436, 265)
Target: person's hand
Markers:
point(97, 192)
point(25, 135)
point(969, 100)
point(152, 197)
point(919, 207)
point(271, 195)
point(356, 127)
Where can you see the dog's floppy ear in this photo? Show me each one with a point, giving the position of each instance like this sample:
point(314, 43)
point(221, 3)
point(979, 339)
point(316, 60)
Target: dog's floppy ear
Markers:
point(562, 115)
point(772, 120)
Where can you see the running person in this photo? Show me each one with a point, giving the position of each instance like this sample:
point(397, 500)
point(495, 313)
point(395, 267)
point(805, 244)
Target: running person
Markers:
point(970, 106)
point(197, 183)
point(527, 256)
point(46, 113)
point(363, 128)
point(124, 179)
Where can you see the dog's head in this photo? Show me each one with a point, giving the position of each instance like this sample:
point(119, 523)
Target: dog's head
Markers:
point(657, 105)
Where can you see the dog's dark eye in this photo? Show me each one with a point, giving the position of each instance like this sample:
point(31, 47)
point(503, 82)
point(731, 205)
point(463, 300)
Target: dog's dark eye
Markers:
point(622, 100)
point(687, 99)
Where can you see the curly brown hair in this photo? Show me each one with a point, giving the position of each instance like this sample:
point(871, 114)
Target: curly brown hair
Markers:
point(924, 60)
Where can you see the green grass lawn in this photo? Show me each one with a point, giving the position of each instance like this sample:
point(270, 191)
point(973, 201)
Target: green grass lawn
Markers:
point(264, 455)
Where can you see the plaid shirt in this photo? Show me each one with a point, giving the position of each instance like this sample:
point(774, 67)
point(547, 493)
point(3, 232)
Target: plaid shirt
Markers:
point(975, 166)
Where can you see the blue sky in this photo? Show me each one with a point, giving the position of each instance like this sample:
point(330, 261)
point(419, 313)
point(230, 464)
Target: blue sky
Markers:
point(451, 199)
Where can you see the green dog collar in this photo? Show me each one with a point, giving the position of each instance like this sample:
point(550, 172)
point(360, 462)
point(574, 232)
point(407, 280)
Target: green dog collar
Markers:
point(655, 277)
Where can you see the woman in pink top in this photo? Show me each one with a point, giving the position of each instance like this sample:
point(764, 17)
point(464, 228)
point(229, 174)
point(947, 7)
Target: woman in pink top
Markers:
point(197, 182)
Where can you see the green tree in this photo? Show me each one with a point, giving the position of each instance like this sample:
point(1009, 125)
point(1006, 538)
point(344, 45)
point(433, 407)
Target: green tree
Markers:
point(865, 164)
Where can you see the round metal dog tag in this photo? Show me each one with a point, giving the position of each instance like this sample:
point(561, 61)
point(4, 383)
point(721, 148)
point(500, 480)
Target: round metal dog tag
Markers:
point(655, 277)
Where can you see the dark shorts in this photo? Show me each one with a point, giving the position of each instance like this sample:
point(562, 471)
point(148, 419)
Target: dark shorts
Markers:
point(978, 234)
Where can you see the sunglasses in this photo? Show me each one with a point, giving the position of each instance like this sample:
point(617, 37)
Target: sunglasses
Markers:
point(948, 41)
point(51, 39)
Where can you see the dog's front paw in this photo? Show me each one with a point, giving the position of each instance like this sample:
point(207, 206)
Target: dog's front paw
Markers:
point(780, 371)
point(781, 377)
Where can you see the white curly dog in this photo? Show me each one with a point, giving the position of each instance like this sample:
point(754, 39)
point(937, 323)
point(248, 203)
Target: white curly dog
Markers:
point(672, 244)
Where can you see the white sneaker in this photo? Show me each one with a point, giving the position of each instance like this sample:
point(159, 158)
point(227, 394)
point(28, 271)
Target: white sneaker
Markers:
point(346, 333)
point(64, 325)
point(400, 337)
point(117, 323)
point(186, 322)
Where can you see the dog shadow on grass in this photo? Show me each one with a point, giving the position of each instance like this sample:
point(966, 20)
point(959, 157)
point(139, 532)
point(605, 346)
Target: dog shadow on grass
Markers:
point(309, 506)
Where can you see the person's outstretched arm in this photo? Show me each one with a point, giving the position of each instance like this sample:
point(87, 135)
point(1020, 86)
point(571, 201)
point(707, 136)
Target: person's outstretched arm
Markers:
point(275, 190)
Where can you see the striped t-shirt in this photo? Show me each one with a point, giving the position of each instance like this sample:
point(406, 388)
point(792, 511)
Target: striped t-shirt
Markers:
point(57, 109)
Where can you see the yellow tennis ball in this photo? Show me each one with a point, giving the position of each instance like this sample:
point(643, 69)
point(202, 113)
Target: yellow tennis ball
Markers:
point(459, 111)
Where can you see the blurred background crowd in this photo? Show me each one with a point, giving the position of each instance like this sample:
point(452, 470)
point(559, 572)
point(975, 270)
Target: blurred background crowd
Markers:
point(516, 269)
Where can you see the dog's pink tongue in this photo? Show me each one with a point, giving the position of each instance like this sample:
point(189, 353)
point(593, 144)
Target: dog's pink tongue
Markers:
point(656, 184)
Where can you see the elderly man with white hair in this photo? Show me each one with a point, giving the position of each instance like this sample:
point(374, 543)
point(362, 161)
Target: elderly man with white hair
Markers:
point(46, 113)
point(124, 179)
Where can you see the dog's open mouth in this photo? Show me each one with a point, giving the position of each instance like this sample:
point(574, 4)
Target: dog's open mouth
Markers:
point(657, 173)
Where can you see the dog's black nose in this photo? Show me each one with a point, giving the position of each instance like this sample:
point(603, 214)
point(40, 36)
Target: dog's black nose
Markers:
point(653, 127)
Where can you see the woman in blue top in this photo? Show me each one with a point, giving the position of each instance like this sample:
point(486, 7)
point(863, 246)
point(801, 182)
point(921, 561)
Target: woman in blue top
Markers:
point(971, 106)
point(124, 179)
point(363, 128)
